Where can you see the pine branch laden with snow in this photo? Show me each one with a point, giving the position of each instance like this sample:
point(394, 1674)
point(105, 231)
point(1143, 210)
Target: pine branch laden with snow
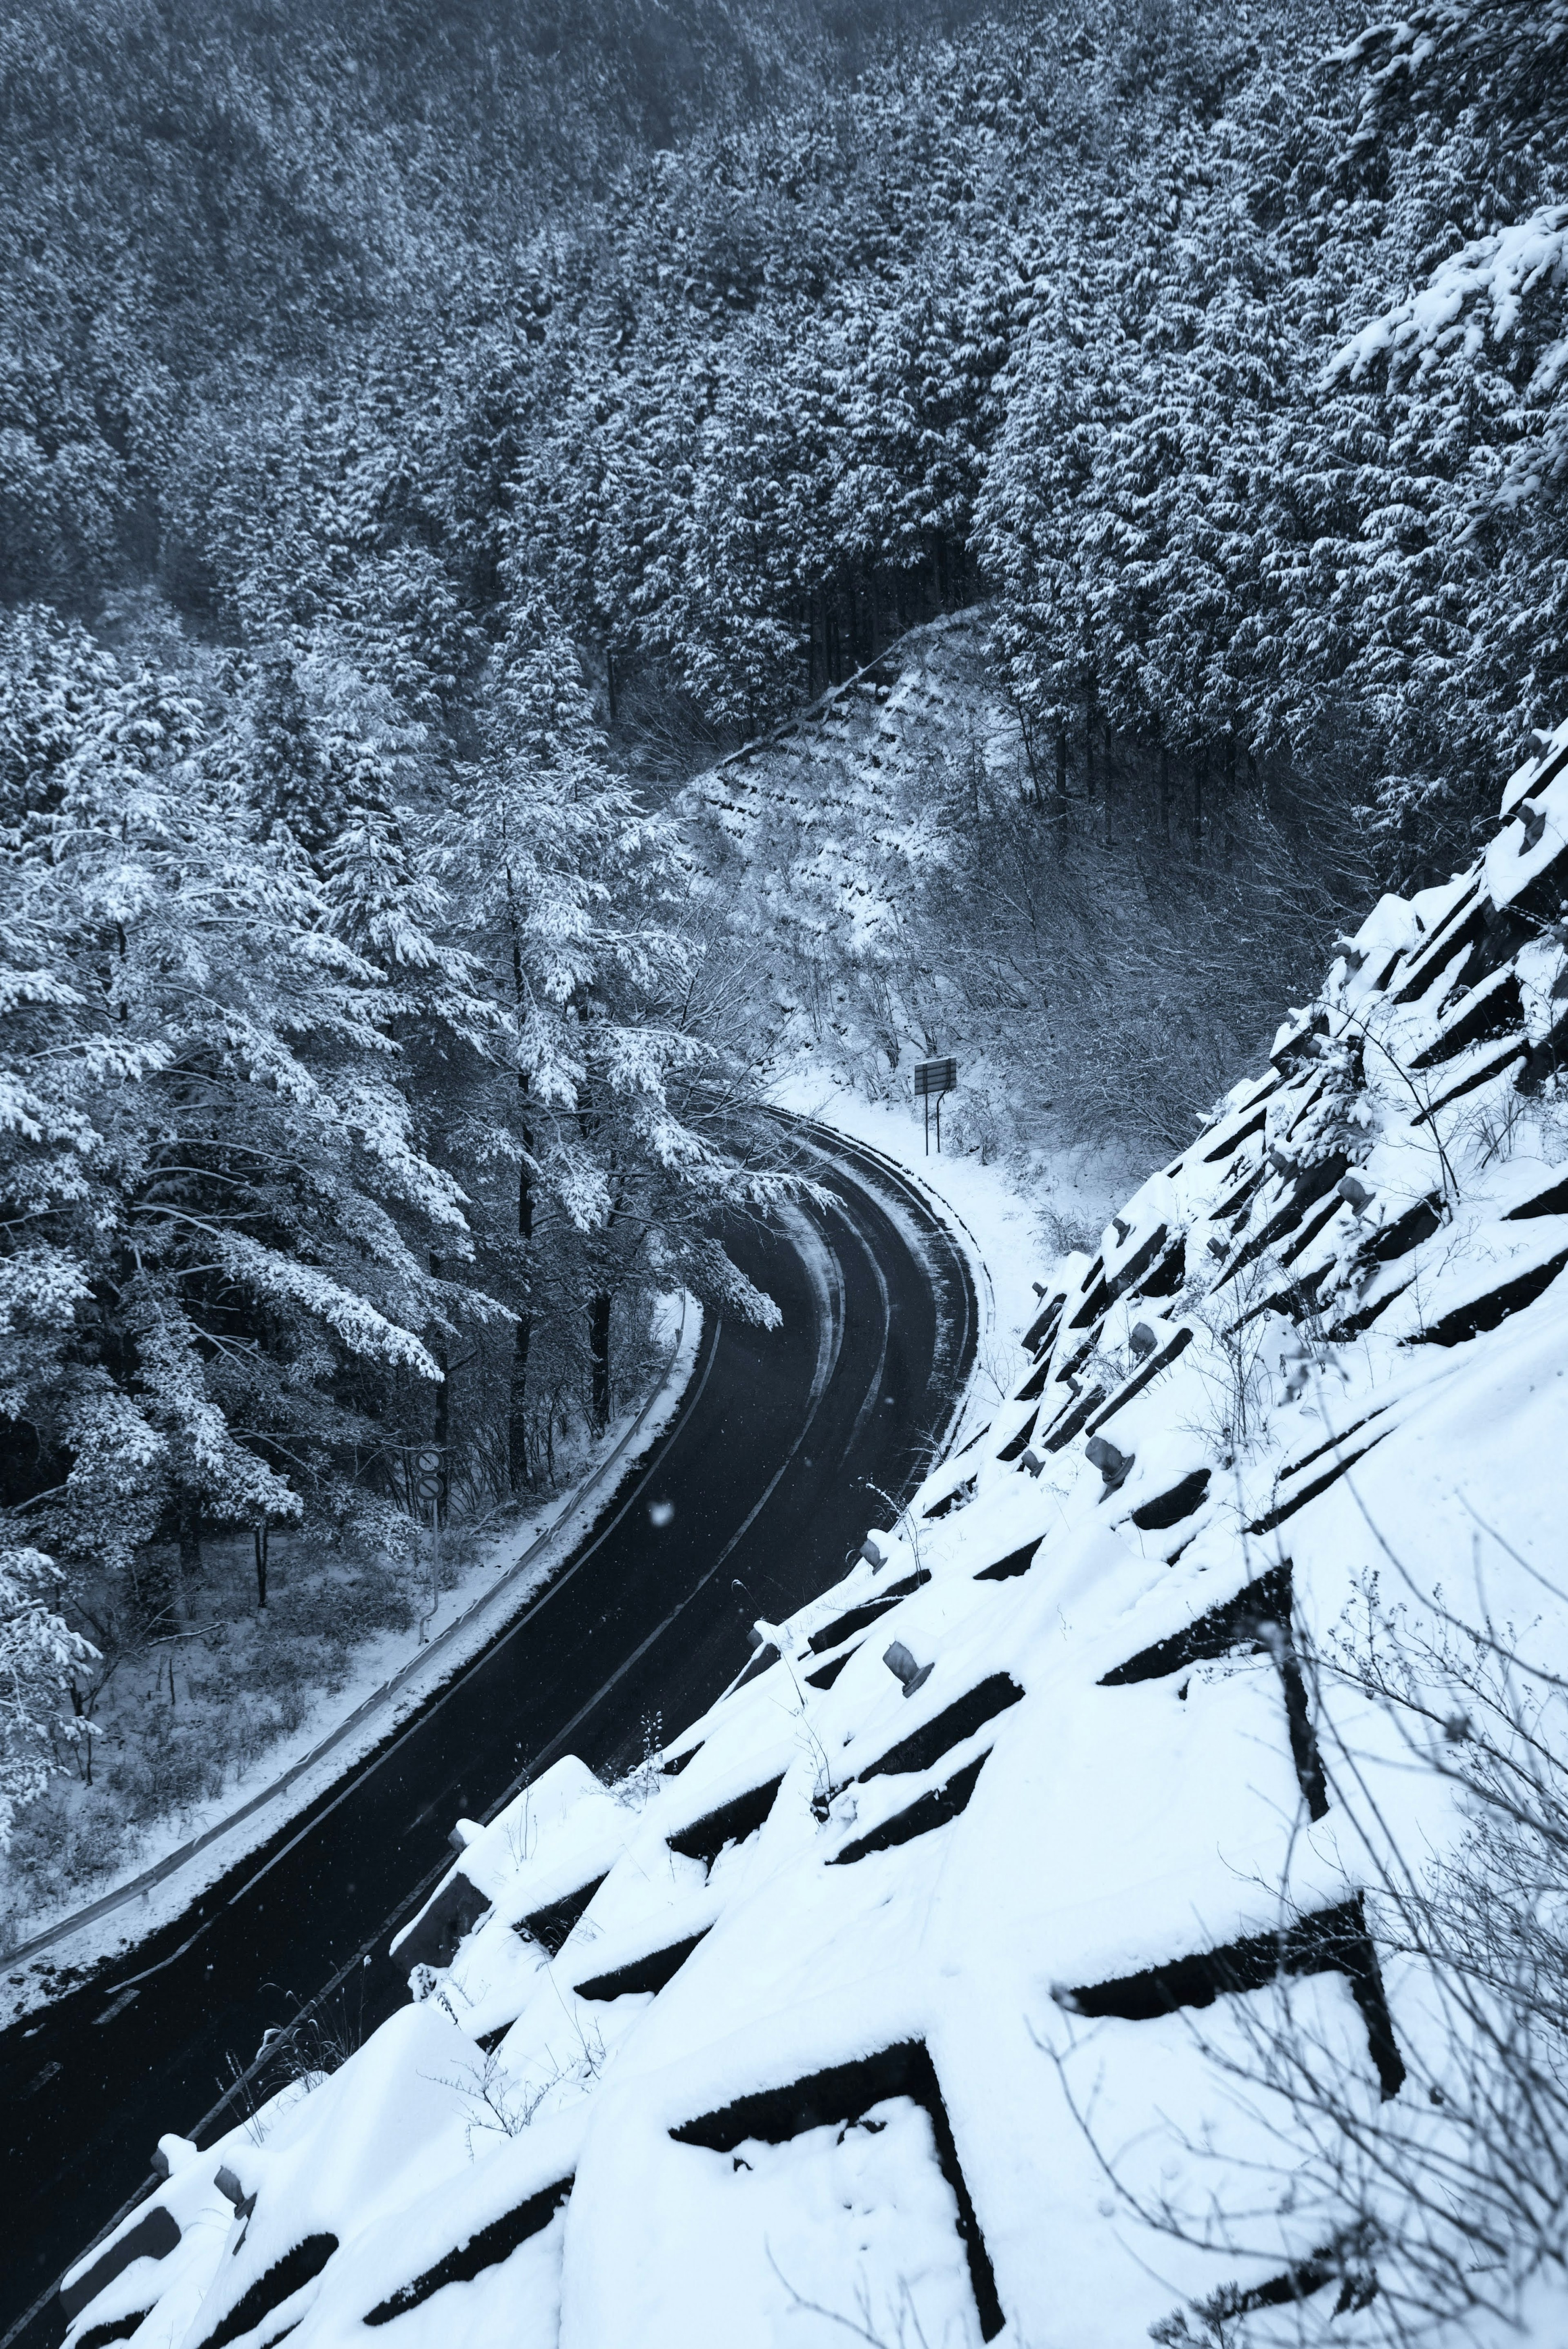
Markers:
point(208, 1164)
point(306, 1066)
point(912, 1989)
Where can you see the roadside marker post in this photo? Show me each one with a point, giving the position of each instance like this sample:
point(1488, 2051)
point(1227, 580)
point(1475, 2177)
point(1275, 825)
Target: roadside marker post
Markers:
point(932, 1079)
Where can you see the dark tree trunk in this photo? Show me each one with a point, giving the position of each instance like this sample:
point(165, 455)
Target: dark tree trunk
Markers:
point(442, 1432)
point(190, 1564)
point(260, 1538)
point(1165, 792)
point(443, 1438)
point(1230, 798)
point(599, 1358)
point(517, 1415)
point(1088, 750)
point(1199, 774)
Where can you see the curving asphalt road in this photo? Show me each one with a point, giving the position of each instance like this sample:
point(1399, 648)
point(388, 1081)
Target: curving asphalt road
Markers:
point(788, 1445)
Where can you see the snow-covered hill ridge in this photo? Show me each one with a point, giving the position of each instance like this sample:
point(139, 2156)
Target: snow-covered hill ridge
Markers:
point(839, 2009)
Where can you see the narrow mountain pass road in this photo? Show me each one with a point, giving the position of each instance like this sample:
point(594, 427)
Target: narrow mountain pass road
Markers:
point(788, 1445)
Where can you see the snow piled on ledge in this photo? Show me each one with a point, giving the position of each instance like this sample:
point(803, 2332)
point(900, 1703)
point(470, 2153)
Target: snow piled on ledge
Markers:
point(836, 2013)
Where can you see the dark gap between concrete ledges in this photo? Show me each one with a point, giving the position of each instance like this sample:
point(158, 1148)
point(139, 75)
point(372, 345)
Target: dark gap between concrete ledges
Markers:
point(855, 1618)
point(485, 2249)
point(1310, 1228)
point(1511, 1049)
point(1489, 1312)
point(1354, 1324)
point(1552, 1201)
point(925, 1748)
point(1014, 1445)
point(1409, 1230)
point(550, 1925)
point(1341, 1435)
point(1088, 1288)
point(649, 1973)
point(1311, 1183)
point(1103, 1296)
point(932, 1810)
point(1040, 1337)
point(1018, 1562)
point(1257, 1621)
point(1169, 1508)
point(432, 1939)
point(1446, 941)
point(152, 2238)
point(731, 1823)
point(950, 1501)
point(840, 2094)
point(1220, 1633)
point(281, 2281)
point(1320, 1483)
point(1034, 1386)
point(1060, 1430)
point(676, 1762)
point(1331, 1940)
point(829, 1673)
point(1168, 1275)
point(765, 1658)
point(1255, 1124)
point(1492, 1011)
point(1135, 1385)
point(99, 2336)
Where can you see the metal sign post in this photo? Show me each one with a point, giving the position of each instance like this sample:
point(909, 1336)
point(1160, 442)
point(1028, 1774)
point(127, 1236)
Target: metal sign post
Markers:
point(430, 1481)
point(932, 1080)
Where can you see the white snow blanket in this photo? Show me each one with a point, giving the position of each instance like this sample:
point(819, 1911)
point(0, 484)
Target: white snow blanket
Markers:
point(890, 2002)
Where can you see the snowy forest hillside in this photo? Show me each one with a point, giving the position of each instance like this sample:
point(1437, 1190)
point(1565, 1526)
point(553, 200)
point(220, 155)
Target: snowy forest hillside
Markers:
point(430, 438)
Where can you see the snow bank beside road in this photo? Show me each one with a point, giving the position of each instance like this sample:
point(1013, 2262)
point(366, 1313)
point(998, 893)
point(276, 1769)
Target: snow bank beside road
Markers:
point(845, 2012)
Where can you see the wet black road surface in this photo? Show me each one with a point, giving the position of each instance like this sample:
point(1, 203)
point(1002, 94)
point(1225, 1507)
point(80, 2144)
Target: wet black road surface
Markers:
point(789, 1443)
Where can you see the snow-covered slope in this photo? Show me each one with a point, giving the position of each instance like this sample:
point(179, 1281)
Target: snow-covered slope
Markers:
point(844, 2011)
point(829, 816)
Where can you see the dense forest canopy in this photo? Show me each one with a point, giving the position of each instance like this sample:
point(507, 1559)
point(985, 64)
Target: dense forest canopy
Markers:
point(427, 434)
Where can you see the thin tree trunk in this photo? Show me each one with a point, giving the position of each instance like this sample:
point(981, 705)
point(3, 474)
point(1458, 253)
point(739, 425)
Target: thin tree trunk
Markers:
point(443, 1427)
point(260, 1538)
point(517, 1413)
point(1088, 747)
point(189, 1552)
point(1165, 791)
point(1230, 798)
point(1200, 775)
point(599, 1358)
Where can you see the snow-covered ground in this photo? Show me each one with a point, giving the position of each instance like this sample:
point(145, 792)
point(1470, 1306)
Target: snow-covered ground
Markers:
point(390, 1675)
point(923, 1990)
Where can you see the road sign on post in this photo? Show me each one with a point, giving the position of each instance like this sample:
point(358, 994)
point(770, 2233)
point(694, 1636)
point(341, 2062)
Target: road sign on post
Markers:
point(932, 1080)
